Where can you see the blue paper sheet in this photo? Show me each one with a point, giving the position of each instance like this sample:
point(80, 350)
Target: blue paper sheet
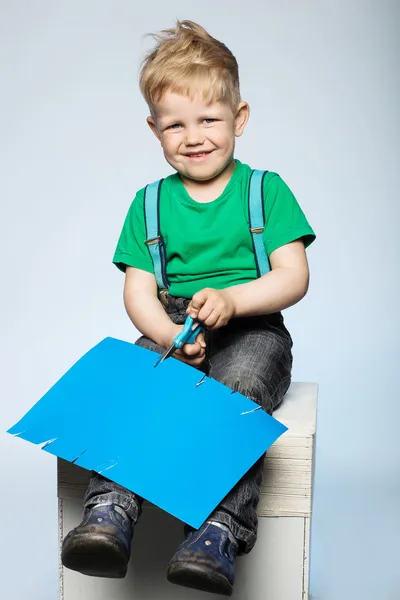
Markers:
point(180, 445)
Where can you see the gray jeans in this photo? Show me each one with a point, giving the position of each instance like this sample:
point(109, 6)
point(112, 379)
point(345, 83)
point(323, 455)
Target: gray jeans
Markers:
point(252, 356)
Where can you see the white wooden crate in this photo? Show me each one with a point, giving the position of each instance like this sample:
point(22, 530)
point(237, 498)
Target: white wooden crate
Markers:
point(278, 566)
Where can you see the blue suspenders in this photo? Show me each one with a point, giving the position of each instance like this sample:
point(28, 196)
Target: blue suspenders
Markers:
point(155, 242)
point(257, 221)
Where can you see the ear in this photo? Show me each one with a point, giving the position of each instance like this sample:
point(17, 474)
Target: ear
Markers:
point(152, 124)
point(242, 116)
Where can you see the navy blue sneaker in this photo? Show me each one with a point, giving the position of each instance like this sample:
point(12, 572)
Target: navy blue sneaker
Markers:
point(101, 545)
point(205, 560)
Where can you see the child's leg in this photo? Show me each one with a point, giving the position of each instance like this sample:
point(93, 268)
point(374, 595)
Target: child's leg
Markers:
point(104, 491)
point(252, 356)
point(101, 544)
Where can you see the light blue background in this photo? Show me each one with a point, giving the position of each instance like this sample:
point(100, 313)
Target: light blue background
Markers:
point(322, 79)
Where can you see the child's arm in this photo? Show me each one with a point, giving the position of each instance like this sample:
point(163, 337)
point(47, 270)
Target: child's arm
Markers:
point(144, 308)
point(149, 317)
point(283, 286)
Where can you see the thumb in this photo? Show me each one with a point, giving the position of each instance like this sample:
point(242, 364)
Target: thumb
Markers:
point(198, 300)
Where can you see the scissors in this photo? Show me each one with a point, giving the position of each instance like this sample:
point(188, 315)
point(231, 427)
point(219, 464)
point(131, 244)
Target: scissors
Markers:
point(190, 331)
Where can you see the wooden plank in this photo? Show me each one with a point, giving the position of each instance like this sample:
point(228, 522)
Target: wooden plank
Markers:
point(272, 467)
point(290, 446)
point(284, 505)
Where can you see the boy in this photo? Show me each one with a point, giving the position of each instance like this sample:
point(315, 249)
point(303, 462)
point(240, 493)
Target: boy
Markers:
point(190, 83)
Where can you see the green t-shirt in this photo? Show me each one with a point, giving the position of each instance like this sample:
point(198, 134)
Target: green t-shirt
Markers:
point(209, 244)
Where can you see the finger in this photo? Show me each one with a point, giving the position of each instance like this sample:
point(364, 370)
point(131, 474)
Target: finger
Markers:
point(201, 340)
point(192, 361)
point(196, 303)
point(205, 312)
point(193, 349)
point(198, 300)
point(220, 323)
point(212, 319)
point(190, 354)
point(198, 362)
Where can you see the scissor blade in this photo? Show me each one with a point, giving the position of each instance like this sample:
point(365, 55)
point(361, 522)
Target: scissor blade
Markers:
point(164, 356)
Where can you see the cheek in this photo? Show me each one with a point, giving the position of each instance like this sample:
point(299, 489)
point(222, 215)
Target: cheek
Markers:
point(166, 146)
point(170, 144)
point(224, 137)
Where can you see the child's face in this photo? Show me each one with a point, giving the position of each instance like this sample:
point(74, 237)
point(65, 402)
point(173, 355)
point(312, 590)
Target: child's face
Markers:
point(198, 139)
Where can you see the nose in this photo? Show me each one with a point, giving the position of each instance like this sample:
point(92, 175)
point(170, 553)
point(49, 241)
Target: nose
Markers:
point(193, 136)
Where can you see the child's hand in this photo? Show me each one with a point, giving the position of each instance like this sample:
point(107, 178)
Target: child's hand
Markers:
point(191, 354)
point(212, 307)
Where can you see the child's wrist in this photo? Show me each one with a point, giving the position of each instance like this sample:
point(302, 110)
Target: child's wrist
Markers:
point(230, 294)
point(169, 334)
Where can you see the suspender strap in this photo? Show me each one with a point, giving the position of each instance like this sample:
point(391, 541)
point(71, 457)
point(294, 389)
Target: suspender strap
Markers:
point(257, 221)
point(154, 241)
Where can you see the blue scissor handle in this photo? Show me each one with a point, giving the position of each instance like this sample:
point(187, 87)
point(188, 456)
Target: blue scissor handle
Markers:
point(188, 335)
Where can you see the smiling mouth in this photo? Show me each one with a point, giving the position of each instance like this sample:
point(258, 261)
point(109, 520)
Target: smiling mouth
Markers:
point(198, 154)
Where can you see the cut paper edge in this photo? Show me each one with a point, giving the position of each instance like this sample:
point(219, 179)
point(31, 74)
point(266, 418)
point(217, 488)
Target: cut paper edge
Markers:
point(44, 445)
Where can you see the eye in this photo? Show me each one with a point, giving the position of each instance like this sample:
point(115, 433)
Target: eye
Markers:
point(209, 121)
point(174, 126)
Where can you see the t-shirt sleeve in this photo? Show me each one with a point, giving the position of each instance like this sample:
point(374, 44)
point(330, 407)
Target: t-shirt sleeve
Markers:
point(285, 221)
point(131, 249)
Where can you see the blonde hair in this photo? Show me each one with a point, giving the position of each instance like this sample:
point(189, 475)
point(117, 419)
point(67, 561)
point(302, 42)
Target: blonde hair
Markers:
point(186, 60)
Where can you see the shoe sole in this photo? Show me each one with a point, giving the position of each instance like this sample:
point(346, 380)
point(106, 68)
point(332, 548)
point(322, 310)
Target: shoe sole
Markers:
point(199, 578)
point(94, 555)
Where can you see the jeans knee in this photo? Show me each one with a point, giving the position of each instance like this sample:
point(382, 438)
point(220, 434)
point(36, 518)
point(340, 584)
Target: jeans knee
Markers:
point(248, 385)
